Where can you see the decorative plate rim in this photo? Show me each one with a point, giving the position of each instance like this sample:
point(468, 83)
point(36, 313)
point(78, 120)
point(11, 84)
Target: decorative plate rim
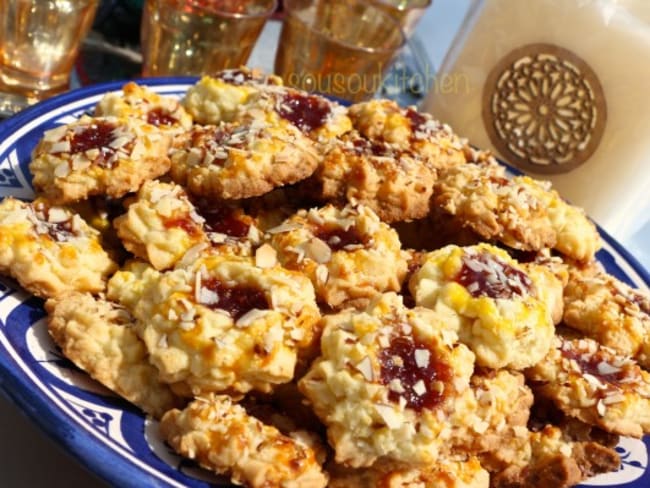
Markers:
point(16, 385)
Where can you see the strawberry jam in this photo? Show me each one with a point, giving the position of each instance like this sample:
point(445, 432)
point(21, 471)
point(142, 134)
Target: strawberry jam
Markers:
point(413, 379)
point(307, 112)
point(338, 238)
point(236, 300)
point(159, 117)
point(223, 219)
point(485, 275)
point(99, 135)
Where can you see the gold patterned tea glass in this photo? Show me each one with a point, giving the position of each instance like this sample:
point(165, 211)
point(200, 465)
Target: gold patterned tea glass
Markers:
point(39, 41)
point(407, 12)
point(337, 47)
point(193, 37)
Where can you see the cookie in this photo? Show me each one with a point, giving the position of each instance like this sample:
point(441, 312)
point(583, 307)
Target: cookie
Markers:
point(520, 212)
point(233, 161)
point(222, 437)
point(595, 385)
point(499, 402)
point(317, 117)
point(396, 185)
point(555, 461)
point(98, 156)
point(389, 383)
point(219, 98)
point(244, 95)
point(51, 250)
point(481, 197)
point(160, 225)
point(493, 301)
point(407, 129)
point(613, 313)
point(99, 337)
point(140, 102)
point(348, 254)
point(221, 323)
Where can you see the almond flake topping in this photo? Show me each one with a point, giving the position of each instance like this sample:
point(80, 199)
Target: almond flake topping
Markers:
point(266, 257)
point(388, 415)
point(317, 250)
point(365, 368)
point(422, 357)
point(208, 297)
point(419, 388)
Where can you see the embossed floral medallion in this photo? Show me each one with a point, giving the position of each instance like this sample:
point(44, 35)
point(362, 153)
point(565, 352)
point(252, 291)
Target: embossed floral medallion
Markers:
point(544, 108)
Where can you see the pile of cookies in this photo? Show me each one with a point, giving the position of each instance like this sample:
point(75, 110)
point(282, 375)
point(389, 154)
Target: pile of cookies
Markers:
point(311, 295)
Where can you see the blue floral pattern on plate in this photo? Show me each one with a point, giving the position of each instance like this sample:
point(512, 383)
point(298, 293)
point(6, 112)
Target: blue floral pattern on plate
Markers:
point(106, 433)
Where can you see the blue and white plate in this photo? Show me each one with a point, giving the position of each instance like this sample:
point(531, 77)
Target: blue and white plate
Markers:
point(105, 433)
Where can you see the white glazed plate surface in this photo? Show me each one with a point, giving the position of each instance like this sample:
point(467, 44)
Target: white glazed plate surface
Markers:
point(104, 432)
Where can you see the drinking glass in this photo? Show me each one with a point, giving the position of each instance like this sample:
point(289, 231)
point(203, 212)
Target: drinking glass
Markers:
point(337, 47)
point(39, 41)
point(193, 37)
point(407, 12)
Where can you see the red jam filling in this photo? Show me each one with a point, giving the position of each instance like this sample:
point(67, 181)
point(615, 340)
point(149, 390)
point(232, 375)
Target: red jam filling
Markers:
point(236, 300)
point(338, 238)
point(96, 136)
point(591, 363)
point(223, 220)
point(398, 362)
point(417, 120)
point(485, 275)
point(307, 112)
point(185, 223)
point(159, 117)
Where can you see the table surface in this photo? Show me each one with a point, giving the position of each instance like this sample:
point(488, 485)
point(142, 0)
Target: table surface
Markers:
point(28, 458)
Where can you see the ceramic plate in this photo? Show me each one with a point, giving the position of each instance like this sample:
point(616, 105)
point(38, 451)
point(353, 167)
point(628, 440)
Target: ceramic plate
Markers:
point(105, 433)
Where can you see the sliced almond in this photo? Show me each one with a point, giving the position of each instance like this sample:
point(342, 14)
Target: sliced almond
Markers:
point(389, 416)
point(266, 257)
point(317, 250)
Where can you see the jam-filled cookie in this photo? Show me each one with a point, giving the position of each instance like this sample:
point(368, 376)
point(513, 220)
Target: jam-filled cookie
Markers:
point(395, 184)
point(315, 116)
point(99, 337)
point(222, 437)
point(595, 385)
point(51, 250)
point(609, 311)
point(233, 161)
point(495, 302)
point(227, 98)
point(407, 129)
point(389, 384)
point(229, 228)
point(222, 323)
point(98, 156)
point(140, 102)
point(348, 254)
point(160, 225)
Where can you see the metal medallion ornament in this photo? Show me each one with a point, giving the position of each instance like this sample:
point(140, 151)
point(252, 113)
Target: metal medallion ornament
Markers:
point(544, 109)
